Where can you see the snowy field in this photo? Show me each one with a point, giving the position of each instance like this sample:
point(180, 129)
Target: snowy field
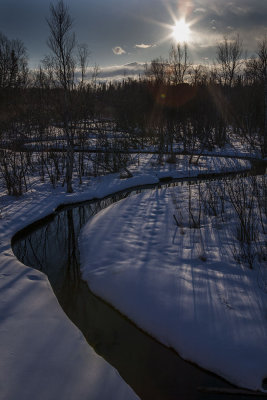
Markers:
point(183, 168)
point(179, 284)
point(99, 135)
point(43, 355)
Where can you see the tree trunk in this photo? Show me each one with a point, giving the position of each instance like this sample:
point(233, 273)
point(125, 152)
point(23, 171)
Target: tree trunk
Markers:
point(69, 166)
point(265, 116)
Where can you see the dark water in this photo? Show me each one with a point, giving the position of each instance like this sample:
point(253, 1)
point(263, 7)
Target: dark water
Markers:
point(152, 370)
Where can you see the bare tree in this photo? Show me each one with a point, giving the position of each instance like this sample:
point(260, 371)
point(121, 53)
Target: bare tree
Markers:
point(156, 70)
point(62, 42)
point(95, 74)
point(48, 68)
point(262, 53)
point(229, 53)
point(83, 56)
point(198, 75)
point(179, 63)
point(13, 63)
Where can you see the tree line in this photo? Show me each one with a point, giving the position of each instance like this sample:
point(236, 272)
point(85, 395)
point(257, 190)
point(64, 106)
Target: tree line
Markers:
point(175, 102)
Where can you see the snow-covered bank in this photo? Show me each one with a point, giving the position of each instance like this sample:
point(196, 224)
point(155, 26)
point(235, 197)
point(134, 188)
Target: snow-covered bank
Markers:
point(198, 301)
point(41, 350)
point(43, 355)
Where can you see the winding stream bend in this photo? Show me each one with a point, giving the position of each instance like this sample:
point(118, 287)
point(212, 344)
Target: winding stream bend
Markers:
point(152, 370)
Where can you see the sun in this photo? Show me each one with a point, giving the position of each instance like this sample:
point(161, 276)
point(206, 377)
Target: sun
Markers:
point(181, 31)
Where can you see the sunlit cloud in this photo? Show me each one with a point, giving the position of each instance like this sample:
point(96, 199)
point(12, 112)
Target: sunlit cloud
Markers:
point(143, 46)
point(118, 50)
point(113, 73)
point(120, 72)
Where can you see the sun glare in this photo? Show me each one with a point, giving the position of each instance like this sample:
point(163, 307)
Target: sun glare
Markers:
point(181, 31)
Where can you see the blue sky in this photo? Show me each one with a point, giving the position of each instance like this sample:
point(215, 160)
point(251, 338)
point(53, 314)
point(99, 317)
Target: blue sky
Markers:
point(120, 32)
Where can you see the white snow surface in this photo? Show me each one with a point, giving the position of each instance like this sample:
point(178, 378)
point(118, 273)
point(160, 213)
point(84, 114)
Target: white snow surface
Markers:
point(43, 355)
point(211, 312)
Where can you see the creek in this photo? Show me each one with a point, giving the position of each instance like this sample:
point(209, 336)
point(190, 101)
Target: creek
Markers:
point(152, 370)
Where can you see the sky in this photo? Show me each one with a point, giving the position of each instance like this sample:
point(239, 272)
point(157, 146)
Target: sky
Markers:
point(122, 35)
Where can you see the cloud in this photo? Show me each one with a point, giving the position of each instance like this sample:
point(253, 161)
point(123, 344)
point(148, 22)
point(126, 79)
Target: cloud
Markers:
point(199, 10)
point(143, 46)
point(115, 72)
point(238, 10)
point(118, 50)
point(119, 72)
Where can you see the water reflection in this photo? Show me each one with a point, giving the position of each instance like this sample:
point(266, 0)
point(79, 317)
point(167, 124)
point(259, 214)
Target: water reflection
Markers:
point(153, 371)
